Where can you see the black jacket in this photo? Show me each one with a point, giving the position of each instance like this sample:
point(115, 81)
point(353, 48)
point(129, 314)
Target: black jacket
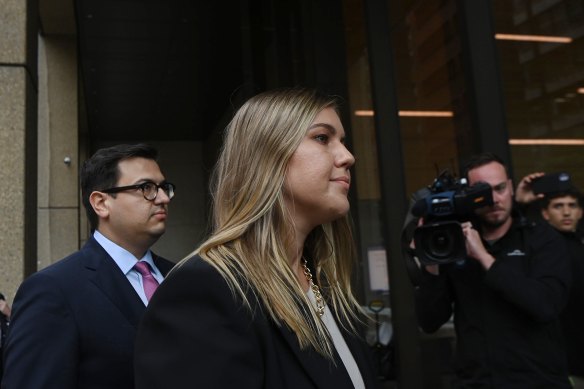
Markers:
point(197, 334)
point(73, 325)
point(506, 318)
point(572, 317)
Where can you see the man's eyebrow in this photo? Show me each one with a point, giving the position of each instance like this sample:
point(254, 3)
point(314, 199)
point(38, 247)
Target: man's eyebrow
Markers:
point(325, 125)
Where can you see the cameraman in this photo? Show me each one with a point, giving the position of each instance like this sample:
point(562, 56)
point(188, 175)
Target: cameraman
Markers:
point(506, 296)
point(562, 208)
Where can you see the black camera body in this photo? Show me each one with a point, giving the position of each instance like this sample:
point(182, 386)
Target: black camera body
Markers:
point(448, 203)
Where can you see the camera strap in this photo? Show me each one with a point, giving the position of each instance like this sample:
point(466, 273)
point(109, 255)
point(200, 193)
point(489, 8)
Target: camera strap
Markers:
point(414, 271)
point(407, 235)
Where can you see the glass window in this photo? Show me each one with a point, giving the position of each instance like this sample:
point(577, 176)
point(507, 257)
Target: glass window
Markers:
point(541, 53)
point(434, 118)
point(365, 149)
point(431, 90)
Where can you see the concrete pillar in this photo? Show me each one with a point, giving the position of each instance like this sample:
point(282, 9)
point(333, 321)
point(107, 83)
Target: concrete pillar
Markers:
point(58, 165)
point(18, 142)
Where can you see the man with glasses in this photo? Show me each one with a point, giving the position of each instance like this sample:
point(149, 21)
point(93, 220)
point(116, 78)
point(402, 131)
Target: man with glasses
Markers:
point(506, 297)
point(73, 323)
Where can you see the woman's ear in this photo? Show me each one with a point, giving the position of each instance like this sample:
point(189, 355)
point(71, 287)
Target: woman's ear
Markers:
point(99, 202)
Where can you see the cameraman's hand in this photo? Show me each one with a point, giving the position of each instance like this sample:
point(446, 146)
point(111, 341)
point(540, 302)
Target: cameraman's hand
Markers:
point(432, 269)
point(524, 193)
point(474, 246)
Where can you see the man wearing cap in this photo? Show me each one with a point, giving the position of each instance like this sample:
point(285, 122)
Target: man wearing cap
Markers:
point(561, 207)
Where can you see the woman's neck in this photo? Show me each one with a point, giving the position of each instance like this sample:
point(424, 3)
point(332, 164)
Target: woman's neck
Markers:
point(296, 259)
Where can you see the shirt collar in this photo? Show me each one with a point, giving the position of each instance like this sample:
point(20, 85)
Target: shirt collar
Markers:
point(122, 257)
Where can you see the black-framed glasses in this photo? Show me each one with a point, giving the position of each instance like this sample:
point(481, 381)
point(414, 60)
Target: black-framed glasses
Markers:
point(149, 189)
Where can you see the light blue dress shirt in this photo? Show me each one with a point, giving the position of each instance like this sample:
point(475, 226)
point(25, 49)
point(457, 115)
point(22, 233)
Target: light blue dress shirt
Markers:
point(126, 261)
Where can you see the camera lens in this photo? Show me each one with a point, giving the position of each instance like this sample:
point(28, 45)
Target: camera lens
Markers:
point(440, 244)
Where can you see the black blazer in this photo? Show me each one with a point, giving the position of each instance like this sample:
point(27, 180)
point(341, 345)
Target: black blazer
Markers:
point(197, 334)
point(74, 324)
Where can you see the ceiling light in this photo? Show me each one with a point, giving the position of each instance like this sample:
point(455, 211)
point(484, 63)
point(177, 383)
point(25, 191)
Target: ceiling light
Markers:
point(432, 114)
point(546, 142)
point(534, 38)
point(364, 112)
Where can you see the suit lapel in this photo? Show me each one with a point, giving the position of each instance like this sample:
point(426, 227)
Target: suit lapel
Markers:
point(162, 264)
point(322, 372)
point(103, 272)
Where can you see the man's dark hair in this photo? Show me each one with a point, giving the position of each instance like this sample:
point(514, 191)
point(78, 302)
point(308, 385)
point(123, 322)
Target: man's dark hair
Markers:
point(101, 171)
point(571, 192)
point(482, 159)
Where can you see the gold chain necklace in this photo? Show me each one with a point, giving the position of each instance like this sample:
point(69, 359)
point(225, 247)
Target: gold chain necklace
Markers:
point(315, 289)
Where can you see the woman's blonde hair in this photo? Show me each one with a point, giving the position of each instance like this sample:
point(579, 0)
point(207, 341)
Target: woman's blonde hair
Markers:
point(253, 231)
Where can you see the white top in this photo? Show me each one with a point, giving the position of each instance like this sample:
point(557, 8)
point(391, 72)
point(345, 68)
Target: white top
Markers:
point(340, 344)
point(126, 261)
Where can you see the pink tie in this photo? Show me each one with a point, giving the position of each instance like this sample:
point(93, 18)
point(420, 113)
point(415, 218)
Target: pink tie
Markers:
point(148, 280)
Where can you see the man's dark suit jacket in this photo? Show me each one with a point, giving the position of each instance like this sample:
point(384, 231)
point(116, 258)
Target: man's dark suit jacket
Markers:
point(74, 325)
point(197, 334)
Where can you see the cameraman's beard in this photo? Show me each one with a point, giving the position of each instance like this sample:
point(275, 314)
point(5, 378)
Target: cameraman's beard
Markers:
point(493, 223)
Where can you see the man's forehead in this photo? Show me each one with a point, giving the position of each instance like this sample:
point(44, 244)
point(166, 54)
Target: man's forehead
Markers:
point(137, 163)
point(137, 168)
point(564, 199)
point(492, 173)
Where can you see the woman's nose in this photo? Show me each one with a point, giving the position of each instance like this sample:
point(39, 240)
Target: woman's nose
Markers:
point(346, 158)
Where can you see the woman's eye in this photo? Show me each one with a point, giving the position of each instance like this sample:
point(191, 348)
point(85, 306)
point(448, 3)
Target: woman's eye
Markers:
point(322, 138)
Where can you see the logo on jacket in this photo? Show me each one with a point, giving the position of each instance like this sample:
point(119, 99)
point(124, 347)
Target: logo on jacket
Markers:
point(516, 253)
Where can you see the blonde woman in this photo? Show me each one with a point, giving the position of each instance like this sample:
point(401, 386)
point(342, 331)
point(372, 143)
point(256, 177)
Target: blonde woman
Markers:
point(266, 301)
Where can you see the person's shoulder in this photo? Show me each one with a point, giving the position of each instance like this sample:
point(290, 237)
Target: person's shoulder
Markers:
point(522, 223)
point(61, 268)
point(199, 279)
point(543, 228)
point(541, 233)
point(193, 267)
point(61, 278)
point(64, 271)
point(195, 263)
point(196, 272)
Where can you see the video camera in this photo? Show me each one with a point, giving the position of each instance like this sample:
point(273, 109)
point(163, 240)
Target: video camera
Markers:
point(447, 203)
